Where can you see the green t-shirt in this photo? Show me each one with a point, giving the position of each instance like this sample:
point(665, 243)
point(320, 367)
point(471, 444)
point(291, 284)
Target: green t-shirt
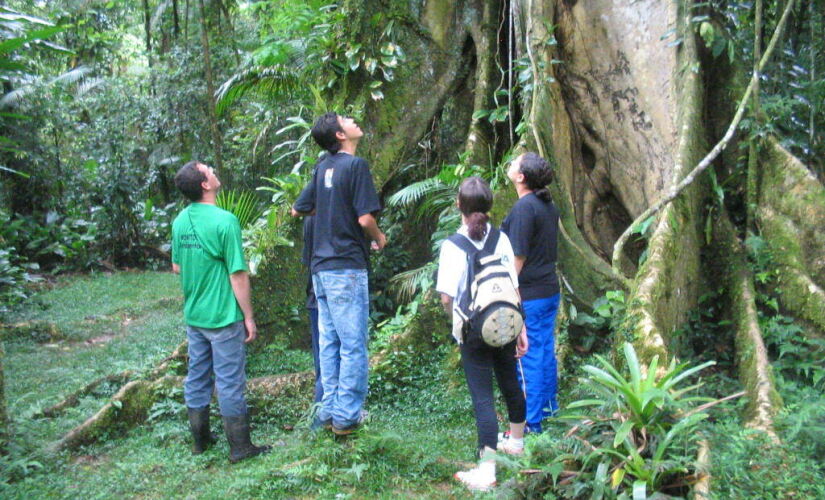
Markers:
point(207, 254)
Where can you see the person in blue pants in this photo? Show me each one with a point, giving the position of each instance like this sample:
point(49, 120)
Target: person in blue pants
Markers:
point(345, 204)
point(532, 226)
point(312, 309)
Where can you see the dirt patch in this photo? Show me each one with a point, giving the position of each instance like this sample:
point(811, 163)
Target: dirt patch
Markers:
point(88, 460)
point(101, 339)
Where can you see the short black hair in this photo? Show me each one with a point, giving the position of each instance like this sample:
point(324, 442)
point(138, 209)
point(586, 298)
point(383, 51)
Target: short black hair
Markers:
point(189, 179)
point(324, 132)
point(537, 174)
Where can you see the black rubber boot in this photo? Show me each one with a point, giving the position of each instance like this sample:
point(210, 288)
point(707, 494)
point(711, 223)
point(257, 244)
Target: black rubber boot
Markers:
point(199, 425)
point(237, 433)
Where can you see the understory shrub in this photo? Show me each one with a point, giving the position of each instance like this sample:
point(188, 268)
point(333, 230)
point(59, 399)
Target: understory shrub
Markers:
point(636, 434)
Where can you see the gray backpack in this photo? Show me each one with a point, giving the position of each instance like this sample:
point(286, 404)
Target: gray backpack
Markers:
point(489, 306)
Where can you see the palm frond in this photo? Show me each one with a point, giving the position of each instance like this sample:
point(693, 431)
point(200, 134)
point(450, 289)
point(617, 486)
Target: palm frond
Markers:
point(243, 204)
point(275, 80)
point(15, 97)
point(72, 76)
point(88, 85)
point(411, 194)
point(407, 284)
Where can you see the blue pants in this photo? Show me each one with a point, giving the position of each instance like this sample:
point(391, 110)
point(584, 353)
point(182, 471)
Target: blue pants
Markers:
point(539, 364)
point(343, 309)
point(313, 330)
point(217, 358)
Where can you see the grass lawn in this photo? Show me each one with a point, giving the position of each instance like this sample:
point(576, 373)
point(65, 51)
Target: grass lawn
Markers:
point(415, 440)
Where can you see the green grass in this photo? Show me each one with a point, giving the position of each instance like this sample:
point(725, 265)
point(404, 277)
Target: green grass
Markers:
point(417, 437)
point(419, 433)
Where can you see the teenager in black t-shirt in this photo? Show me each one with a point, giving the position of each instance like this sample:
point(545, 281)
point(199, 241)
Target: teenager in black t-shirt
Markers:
point(342, 196)
point(532, 226)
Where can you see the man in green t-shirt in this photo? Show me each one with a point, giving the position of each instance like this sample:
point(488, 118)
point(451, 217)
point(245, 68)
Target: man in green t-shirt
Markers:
point(208, 255)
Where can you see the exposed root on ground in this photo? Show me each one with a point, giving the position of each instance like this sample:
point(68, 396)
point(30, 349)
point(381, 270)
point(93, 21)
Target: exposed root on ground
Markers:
point(38, 330)
point(752, 361)
point(701, 490)
point(73, 399)
point(180, 354)
point(131, 405)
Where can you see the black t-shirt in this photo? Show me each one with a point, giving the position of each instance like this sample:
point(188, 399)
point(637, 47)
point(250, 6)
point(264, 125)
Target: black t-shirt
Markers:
point(341, 190)
point(532, 226)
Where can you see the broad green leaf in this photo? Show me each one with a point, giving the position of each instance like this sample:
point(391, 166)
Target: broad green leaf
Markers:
point(622, 433)
point(639, 490)
point(584, 402)
point(633, 366)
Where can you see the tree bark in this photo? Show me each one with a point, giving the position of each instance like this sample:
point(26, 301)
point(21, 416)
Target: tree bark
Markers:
point(217, 138)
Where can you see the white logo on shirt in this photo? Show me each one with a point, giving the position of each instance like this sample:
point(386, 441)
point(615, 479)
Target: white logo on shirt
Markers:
point(328, 178)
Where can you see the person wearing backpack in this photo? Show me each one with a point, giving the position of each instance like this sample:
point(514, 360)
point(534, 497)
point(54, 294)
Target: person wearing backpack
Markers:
point(532, 226)
point(460, 293)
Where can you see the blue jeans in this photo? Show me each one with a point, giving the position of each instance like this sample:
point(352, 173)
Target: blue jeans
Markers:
point(539, 364)
point(343, 308)
point(313, 330)
point(217, 358)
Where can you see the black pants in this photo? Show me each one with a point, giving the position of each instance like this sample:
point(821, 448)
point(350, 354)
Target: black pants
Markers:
point(480, 361)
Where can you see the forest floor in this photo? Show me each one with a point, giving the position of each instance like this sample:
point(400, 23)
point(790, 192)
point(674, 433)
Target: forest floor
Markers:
point(419, 433)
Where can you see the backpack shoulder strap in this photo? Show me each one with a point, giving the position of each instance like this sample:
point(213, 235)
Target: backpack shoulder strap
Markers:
point(492, 241)
point(463, 243)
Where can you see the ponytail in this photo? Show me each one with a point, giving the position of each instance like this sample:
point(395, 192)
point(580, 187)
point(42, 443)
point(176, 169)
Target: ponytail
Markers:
point(475, 199)
point(477, 225)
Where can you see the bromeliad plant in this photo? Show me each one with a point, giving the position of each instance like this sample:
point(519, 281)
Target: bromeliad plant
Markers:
point(636, 436)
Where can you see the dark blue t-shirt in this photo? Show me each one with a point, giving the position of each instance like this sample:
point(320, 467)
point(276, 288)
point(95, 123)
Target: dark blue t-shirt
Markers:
point(532, 226)
point(341, 191)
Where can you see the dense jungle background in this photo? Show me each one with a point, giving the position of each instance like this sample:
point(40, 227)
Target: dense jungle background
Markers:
point(688, 141)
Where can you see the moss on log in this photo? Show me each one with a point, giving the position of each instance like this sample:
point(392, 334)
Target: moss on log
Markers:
point(752, 361)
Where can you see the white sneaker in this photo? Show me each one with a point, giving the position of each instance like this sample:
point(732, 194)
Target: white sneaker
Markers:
point(506, 445)
point(476, 479)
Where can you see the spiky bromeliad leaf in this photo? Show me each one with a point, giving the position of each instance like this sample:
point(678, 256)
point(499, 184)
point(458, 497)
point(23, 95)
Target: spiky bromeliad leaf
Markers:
point(272, 80)
point(242, 204)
